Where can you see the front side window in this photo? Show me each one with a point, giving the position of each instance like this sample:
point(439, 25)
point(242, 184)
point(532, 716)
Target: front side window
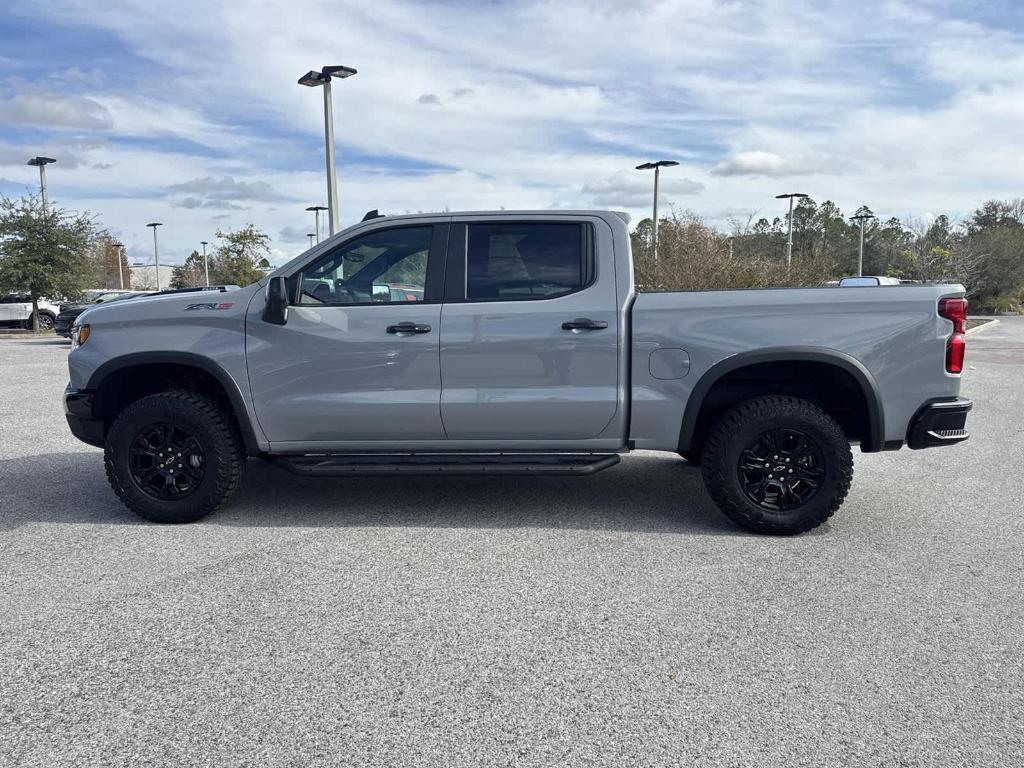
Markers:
point(384, 266)
point(524, 261)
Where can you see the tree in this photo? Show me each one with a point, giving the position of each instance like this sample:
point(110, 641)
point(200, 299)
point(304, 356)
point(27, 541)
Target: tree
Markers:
point(109, 263)
point(44, 251)
point(999, 267)
point(191, 274)
point(835, 233)
point(239, 258)
point(985, 253)
point(805, 228)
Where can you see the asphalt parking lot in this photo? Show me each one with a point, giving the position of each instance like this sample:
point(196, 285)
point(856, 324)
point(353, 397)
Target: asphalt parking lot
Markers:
point(616, 620)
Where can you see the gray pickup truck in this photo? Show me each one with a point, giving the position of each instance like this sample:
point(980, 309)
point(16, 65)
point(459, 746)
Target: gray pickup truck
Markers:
point(511, 343)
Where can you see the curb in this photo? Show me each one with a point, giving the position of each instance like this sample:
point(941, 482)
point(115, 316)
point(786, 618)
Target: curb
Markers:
point(980, 328)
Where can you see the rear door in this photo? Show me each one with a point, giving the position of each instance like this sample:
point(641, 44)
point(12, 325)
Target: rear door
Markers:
point(14, 308)
point(355, 362)
point(529, 331)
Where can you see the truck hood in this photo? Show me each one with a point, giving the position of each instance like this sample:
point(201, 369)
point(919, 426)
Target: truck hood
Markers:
point(172, 308)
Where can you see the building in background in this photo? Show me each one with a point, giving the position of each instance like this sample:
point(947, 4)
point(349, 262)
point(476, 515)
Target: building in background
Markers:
point(144, 276)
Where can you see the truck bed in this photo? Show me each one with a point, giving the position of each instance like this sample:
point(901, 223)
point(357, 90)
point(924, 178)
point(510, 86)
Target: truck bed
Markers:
point(893, 333)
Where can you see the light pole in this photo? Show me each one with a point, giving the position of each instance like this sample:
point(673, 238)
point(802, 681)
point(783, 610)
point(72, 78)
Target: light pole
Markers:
point(156, 251)
point(657, 166)
point(206, 263)
point(789, 237)
point(861, 218)
point(315, 79)
point(120, 271)
point(310, 235)
point(42, 162)
point(316, 212)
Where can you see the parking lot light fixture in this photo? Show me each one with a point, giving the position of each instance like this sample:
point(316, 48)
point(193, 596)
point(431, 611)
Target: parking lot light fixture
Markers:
point(861, 218)
point(120, 272)
point(156, 251)
point(310, 235)
point(657, 165)
point(206, 263)
point(316, 213)
point(789, 237)
point(314, 79)
point(41, 162)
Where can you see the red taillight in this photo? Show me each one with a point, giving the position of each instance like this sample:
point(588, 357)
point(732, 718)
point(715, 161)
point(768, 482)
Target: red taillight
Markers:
point(955, 348)
point(955, 310)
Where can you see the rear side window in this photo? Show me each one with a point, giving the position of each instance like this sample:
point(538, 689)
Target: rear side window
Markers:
point(526, 260)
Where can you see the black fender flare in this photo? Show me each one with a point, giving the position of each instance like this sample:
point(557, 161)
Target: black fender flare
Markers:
point(841, 360)
point(192, 360)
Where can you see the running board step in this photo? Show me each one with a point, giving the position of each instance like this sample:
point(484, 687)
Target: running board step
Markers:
point(448, 464)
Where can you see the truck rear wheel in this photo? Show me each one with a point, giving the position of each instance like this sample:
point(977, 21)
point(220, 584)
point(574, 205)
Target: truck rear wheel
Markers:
point(777, 465)
point(174, 457)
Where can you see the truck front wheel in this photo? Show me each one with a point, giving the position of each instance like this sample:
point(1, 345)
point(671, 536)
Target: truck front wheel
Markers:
point(174, 457)
point(777, 465)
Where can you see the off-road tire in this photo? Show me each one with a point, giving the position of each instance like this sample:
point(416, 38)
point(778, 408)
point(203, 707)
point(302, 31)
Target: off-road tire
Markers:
point(215, 431)
point(739, 427)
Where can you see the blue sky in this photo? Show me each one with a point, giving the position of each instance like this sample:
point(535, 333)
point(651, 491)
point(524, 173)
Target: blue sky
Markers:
point(189, 112)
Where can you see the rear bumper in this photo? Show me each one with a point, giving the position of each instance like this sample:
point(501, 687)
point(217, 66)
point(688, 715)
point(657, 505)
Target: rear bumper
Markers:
point(939, 422)
point(78, 411)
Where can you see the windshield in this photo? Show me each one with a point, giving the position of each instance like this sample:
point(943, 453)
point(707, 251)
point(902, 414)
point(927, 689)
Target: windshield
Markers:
point(108, 296)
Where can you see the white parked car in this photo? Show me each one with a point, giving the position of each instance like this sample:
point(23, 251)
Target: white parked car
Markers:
point(16, 310)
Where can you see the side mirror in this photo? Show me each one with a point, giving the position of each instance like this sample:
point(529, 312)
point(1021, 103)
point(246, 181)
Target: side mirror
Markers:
point(276, 309)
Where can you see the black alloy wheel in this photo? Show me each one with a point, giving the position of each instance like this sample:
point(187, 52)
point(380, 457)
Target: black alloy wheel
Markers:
point(44, 321)
point(166, 461)
point(781, 469)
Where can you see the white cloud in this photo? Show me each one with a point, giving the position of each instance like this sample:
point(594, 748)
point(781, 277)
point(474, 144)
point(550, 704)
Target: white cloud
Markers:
point(917, 111)
point(293, 234)
point(226, 189)
point(19, 154)
point(633, 189)
point(54, 110)
point(754, 163)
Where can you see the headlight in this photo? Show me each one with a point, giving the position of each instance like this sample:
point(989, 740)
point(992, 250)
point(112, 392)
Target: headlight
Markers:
point(79, 334)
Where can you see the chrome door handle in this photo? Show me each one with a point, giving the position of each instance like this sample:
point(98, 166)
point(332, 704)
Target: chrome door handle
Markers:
point(408, 328)
point(584, 324)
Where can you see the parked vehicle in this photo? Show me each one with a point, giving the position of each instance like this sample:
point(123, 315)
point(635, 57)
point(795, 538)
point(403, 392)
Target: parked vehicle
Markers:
point(397, 292)
point(530, 353)
point(860, 281)
point(69, 312)
point(16, 311)
point(91, 294)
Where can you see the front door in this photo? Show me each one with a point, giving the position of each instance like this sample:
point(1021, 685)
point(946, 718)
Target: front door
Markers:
point(357, 359)
point(529, 333)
